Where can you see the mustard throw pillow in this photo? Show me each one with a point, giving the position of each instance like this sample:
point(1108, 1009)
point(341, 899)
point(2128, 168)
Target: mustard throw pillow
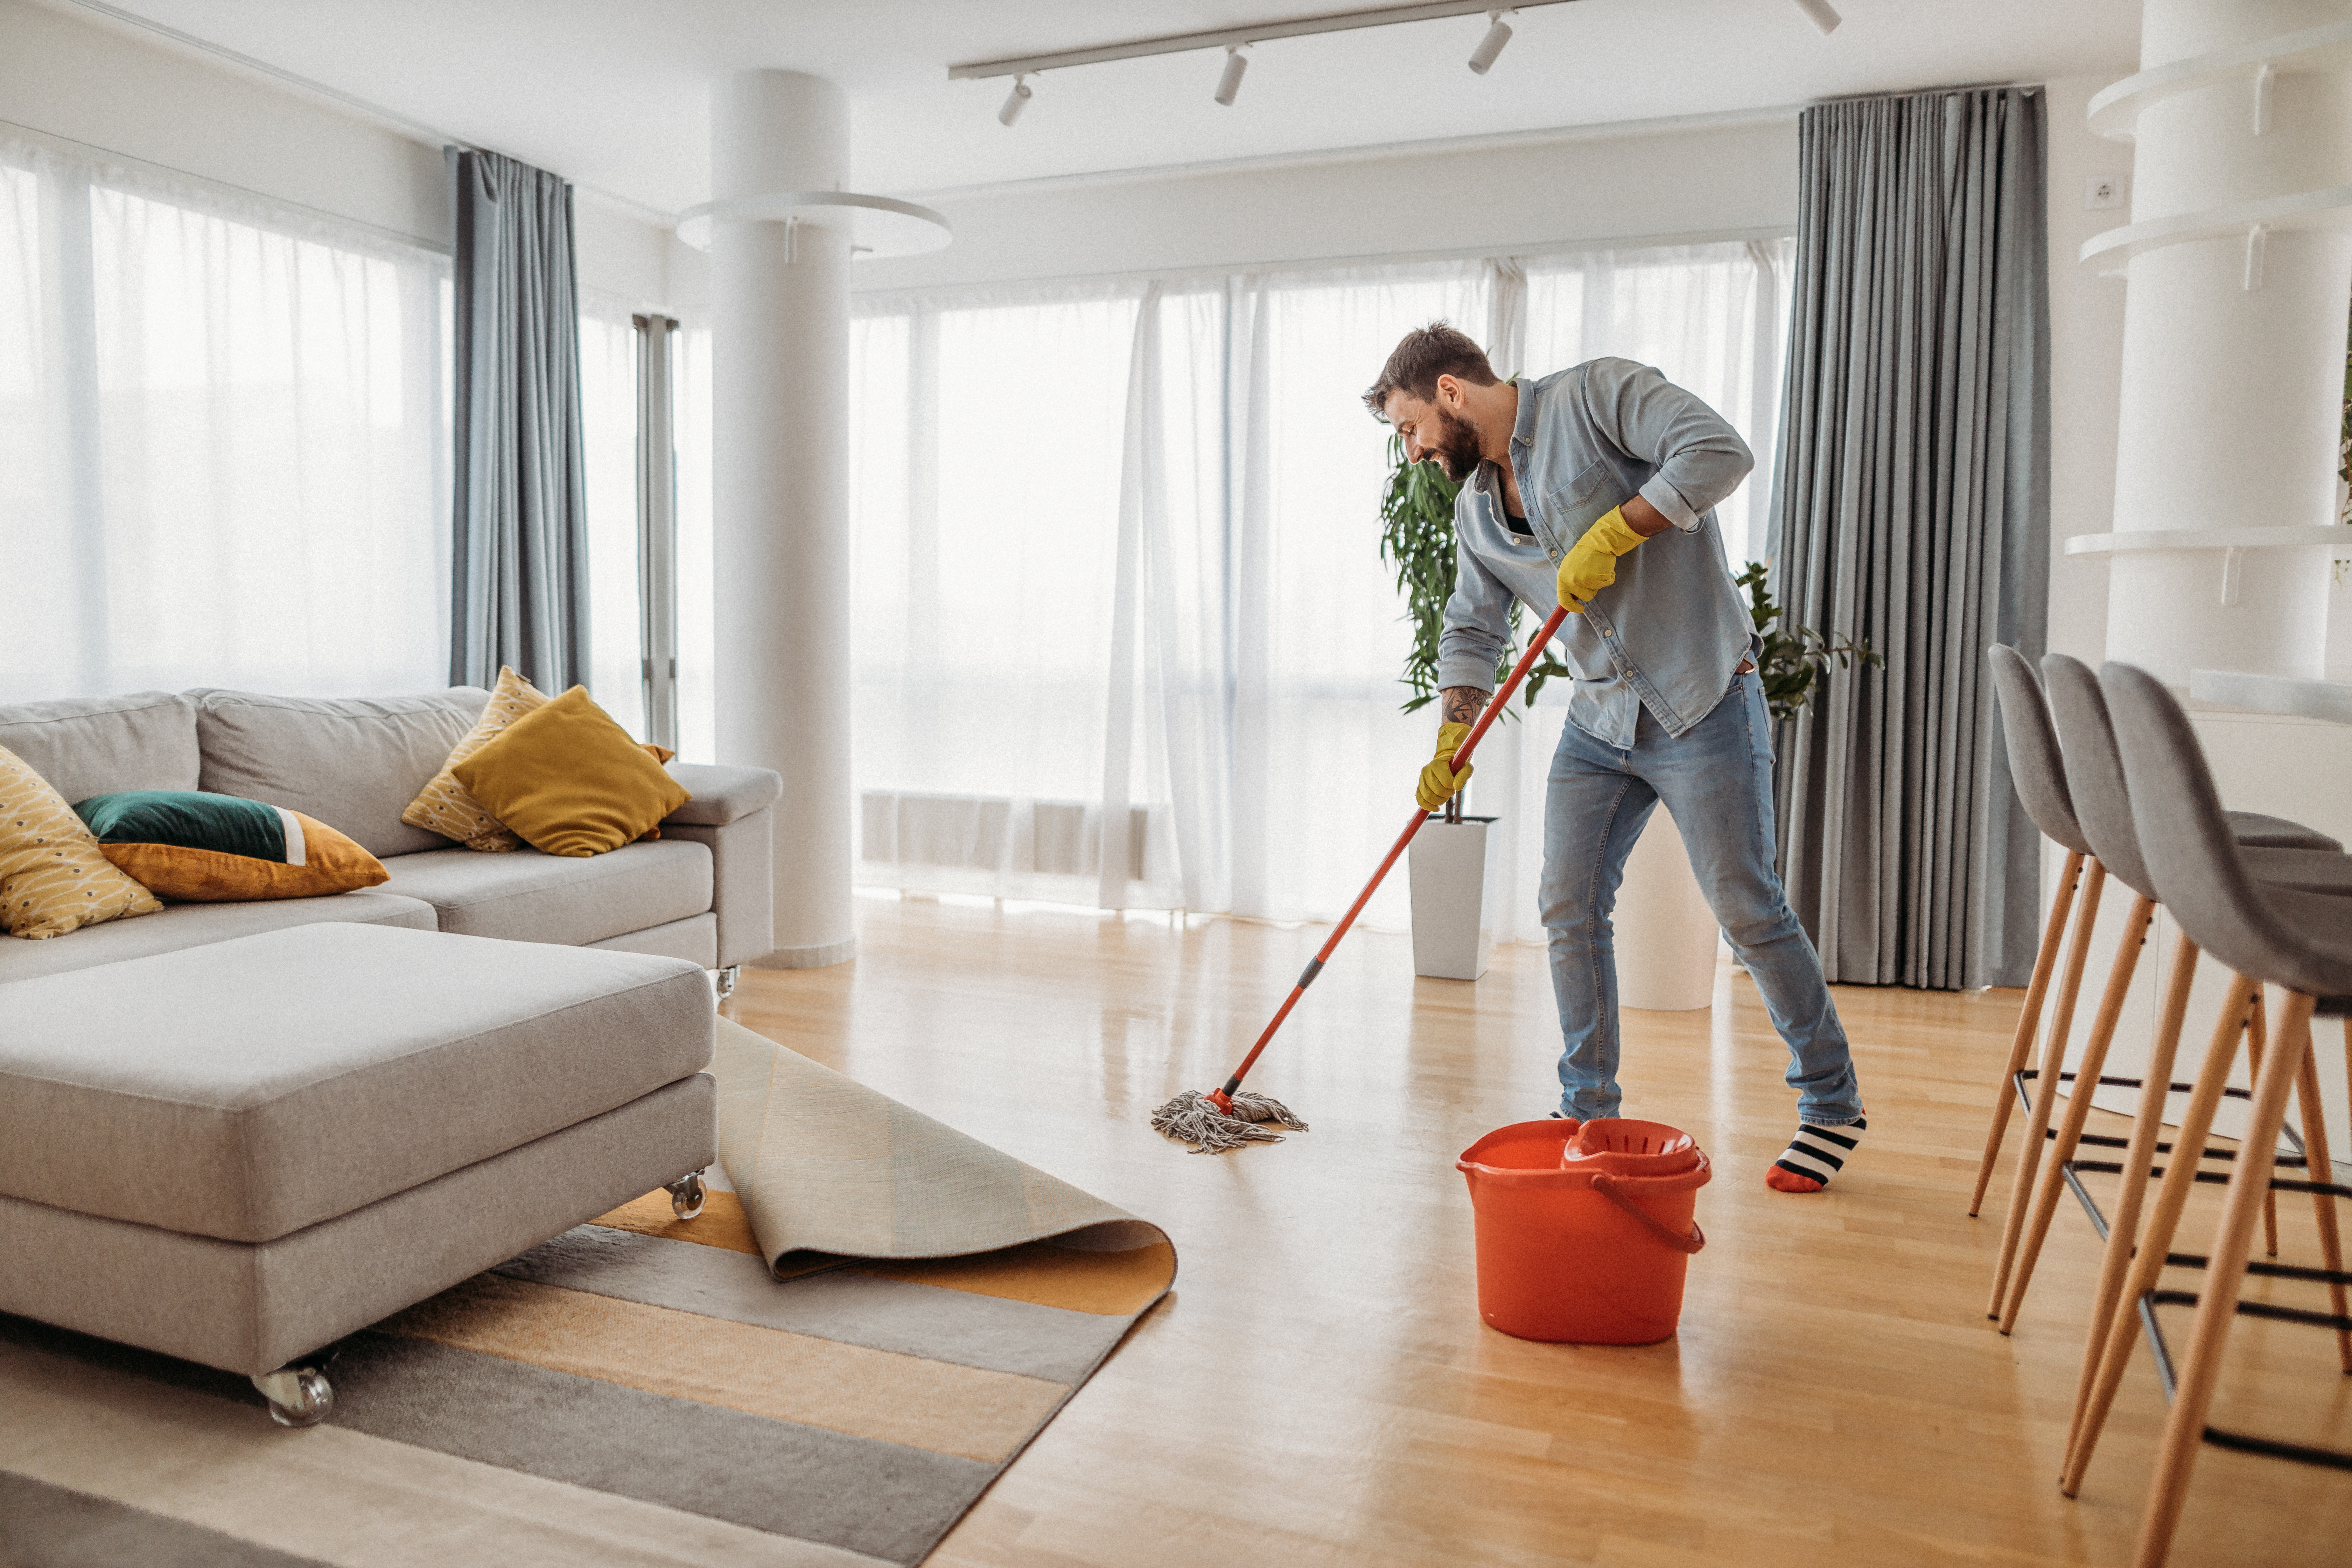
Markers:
point(444, 807)
point(52, 876)
point(570, 781)
point(217, 848)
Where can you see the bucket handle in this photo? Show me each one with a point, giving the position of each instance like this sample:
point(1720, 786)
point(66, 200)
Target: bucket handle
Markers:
point(1619, 1190)
point(1614, 1189)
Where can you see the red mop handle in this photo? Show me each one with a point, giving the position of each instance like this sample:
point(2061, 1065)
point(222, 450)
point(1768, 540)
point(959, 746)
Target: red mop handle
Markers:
point(1461, 758)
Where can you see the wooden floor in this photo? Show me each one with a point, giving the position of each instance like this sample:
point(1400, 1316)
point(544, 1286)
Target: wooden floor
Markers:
point(1319, 1389)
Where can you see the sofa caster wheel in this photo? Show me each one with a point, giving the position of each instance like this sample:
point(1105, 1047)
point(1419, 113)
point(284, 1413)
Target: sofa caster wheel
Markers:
point(726, 979)
point(686, 1196)
point(298, 1395)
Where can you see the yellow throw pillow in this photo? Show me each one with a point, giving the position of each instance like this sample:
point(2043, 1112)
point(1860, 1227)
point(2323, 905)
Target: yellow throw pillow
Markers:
point(52, 876)
point(570, 780)
point(444, 807)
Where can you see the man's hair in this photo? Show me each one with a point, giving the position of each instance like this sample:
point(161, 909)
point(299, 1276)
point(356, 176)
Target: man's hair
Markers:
point(1427, 353)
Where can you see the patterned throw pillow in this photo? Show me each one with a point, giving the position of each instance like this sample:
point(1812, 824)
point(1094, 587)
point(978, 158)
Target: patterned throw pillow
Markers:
point(53, 878)
point(217, 848)
point(444, 807)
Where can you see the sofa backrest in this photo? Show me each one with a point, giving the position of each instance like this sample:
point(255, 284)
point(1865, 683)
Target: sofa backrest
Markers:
point(353, 762)
point(96, 746)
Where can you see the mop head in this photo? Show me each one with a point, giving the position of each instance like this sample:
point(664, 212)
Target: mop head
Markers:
point(1194, 1117)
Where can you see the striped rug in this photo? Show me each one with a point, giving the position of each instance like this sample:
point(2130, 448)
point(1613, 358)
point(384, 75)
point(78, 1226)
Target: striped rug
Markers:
point(640, 1390)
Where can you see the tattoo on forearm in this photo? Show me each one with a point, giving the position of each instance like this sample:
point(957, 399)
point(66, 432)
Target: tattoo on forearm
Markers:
point(1462, 703)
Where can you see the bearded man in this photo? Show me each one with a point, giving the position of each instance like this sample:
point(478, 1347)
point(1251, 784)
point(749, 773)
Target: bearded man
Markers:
point(1595, 488)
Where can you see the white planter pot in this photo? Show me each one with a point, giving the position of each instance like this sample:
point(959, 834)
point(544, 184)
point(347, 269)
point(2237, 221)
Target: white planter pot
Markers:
point(1666, 935)
point(1447, 867)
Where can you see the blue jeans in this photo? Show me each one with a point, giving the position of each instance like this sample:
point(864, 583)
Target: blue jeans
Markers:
point(1716, 780)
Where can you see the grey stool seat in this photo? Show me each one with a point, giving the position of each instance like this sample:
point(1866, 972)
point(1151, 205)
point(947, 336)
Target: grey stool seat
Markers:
point(2268, 934)
point(2256, 831)
point(2041, 768)
point(2102, 802)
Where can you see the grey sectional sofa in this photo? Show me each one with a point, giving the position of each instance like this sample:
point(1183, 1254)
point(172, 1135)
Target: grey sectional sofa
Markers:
point(238, 1132)
point(702, 892)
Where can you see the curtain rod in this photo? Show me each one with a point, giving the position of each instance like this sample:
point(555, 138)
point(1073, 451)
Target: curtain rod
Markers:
point(861, 299)
point(265, 198)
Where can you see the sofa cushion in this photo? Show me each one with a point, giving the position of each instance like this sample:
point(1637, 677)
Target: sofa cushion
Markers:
point(225, 1091)
point(530, 897)
point(193, 925)
point(353, 762)
point(91, 745)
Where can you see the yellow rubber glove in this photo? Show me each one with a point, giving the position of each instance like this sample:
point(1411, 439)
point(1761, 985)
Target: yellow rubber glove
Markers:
point(1439, 781)
point(1591, 564)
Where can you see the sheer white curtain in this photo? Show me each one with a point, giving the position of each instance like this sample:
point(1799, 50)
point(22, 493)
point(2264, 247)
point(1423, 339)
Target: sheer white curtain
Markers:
point(222, 438)
point(608, 429)
point(698, 647)
point(1150, 612)
point(1713, 319)
point(986, 440)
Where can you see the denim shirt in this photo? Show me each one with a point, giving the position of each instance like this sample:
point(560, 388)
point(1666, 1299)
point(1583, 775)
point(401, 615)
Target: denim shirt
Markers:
point(1670, 632)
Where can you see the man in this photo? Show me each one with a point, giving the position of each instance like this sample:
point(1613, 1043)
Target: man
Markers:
point(1594, 488)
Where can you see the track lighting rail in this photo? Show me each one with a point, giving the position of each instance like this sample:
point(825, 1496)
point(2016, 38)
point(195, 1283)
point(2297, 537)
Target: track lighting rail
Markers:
point(1236, 37)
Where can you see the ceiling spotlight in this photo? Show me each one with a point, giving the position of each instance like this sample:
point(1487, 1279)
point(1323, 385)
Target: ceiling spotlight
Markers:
point(1482, 57)
point(1230, 83)
point(1014, 102)
point(1824, 15)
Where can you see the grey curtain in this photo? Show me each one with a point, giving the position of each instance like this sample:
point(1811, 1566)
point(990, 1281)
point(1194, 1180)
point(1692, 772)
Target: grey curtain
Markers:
point(519, 569)
point(1913, 513)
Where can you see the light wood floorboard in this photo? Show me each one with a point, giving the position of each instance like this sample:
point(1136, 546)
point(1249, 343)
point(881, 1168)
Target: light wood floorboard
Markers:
point(1319, 1389)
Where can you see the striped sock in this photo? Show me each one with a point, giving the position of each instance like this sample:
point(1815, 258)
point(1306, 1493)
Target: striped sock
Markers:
point(1814, 1155)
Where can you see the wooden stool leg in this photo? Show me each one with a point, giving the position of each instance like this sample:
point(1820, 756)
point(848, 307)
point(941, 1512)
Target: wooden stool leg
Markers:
point(2123, 1222)
point(2257, 1034)
point(2046, 1087)
point(2322, 1169)
point(2046, 1197)
point(2029, 1024)
point(2216, 1303)
point(2147, 1262)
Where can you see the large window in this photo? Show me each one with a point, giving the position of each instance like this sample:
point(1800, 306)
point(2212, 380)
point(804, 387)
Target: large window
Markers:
point(222, 441)
point(608, 429)
point(1124, 634)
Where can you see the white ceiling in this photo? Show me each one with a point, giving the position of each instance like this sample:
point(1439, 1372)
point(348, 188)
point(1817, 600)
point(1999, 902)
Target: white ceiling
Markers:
point(615, 93)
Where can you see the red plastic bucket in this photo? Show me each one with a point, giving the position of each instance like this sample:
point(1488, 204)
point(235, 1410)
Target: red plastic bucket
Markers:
point(1585, 1229)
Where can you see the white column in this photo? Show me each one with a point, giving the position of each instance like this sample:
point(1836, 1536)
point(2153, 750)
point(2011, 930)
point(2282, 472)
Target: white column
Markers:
point(2233, 344)
point(781, 510)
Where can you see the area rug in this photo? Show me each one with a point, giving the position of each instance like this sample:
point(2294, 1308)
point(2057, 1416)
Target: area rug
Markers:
point(826, 1368)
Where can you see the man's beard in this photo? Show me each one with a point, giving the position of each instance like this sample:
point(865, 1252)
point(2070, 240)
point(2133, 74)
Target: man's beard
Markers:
point(1457, 447)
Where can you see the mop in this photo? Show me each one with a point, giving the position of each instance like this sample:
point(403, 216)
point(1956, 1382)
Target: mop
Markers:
point(1228, 1117)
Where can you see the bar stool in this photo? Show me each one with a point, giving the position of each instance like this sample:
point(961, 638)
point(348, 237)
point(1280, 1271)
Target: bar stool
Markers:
point(2288, 937)
point(2037, 767)
point(2094, 786)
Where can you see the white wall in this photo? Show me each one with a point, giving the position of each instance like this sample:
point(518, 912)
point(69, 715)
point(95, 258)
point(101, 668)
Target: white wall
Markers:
point(67, 73)
point(2086, 343)
point(1730, 177)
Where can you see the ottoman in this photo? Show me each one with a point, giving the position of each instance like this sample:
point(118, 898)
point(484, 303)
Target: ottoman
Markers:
point(239, 1152)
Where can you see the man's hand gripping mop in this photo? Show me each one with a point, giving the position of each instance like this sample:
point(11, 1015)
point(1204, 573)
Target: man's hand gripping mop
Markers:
point(1227, 1117)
